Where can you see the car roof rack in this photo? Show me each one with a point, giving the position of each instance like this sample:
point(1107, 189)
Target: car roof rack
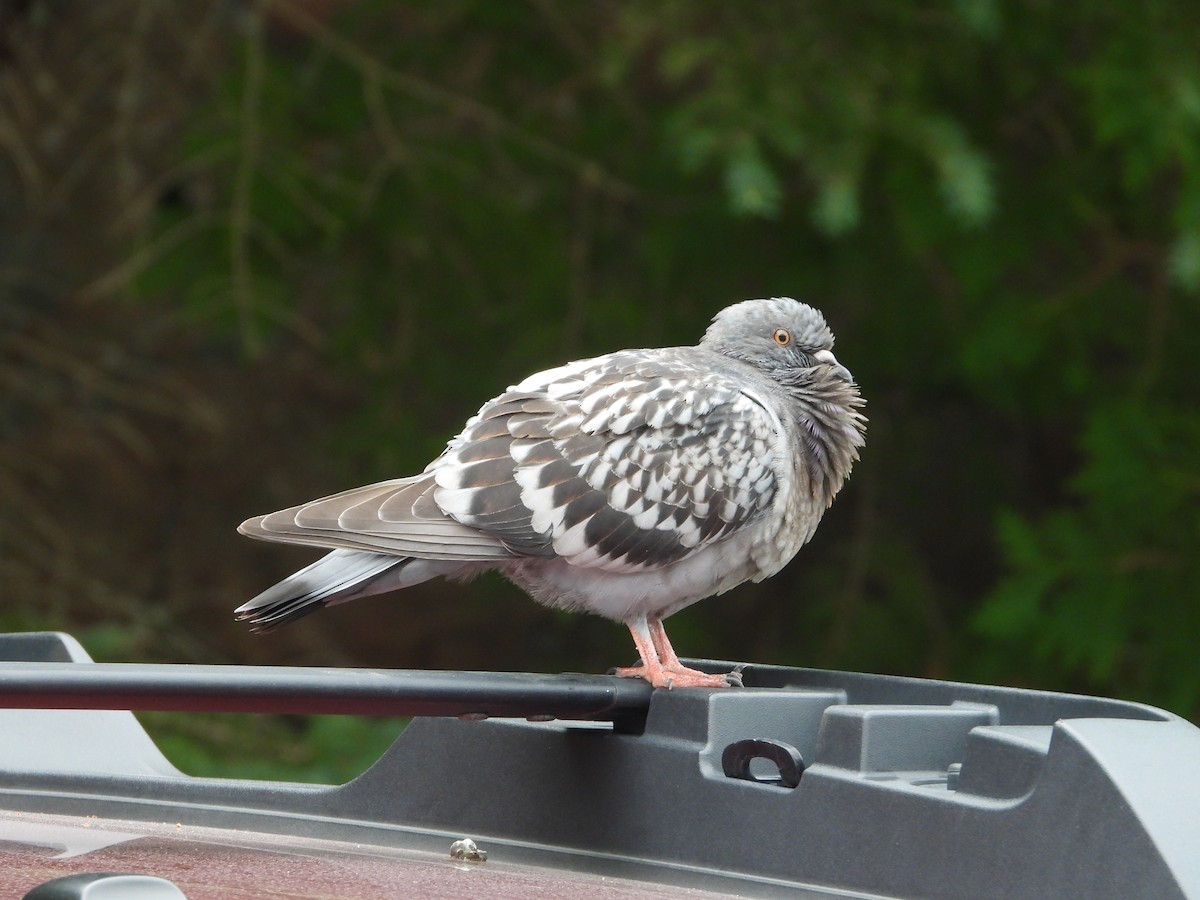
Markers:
point(830, 783)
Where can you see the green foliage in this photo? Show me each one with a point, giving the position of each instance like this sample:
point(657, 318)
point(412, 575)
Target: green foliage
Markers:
point(1185, 260)
point(752, 186)
point(1099, 590)
point(318, 749)
point(774, 80)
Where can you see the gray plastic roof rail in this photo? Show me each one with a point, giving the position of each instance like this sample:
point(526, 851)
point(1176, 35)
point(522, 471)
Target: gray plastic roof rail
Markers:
point(902, 787)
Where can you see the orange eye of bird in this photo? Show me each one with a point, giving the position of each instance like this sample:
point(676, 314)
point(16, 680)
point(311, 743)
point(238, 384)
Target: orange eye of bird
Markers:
point(782, 337)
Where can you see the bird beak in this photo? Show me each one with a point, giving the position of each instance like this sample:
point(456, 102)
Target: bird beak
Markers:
point(826, 357)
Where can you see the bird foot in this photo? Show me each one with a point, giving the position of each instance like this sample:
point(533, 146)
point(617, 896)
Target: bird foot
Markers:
point(680, 677)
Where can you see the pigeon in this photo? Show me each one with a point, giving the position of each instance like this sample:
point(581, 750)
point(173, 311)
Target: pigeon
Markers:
point(630, 485)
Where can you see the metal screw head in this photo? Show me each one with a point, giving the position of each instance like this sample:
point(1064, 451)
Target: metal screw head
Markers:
point(466, 850)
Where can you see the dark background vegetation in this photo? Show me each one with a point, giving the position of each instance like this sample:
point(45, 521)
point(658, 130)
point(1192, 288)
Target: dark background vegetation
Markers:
point(252, 253)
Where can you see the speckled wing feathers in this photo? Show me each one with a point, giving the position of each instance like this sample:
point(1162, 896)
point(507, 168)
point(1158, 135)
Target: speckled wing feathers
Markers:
point(631, 460)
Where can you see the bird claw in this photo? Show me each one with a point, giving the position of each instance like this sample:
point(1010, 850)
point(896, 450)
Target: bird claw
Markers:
point(685, 677)
point(681, 677)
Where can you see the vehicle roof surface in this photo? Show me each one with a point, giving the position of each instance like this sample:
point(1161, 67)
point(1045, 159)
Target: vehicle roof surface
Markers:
point(227, 864)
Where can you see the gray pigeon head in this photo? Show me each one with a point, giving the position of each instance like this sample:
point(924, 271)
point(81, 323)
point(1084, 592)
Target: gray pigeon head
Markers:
point(774, 334)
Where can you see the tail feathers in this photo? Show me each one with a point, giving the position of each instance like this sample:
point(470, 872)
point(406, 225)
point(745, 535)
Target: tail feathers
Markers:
point(335, 578)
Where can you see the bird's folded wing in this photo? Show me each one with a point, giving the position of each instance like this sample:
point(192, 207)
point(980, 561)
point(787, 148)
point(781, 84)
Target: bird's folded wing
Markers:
point(625, 462)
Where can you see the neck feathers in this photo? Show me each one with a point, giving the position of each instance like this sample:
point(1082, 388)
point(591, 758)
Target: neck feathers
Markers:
point(832, 429)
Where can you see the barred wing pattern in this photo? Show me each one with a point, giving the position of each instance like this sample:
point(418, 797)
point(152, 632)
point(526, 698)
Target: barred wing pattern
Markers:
point(623, 462)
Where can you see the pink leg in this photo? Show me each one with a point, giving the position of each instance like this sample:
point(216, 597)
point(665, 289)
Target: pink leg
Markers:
point(670, 661)
point(660, 665)
point(650, 669)
point(666, 653)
